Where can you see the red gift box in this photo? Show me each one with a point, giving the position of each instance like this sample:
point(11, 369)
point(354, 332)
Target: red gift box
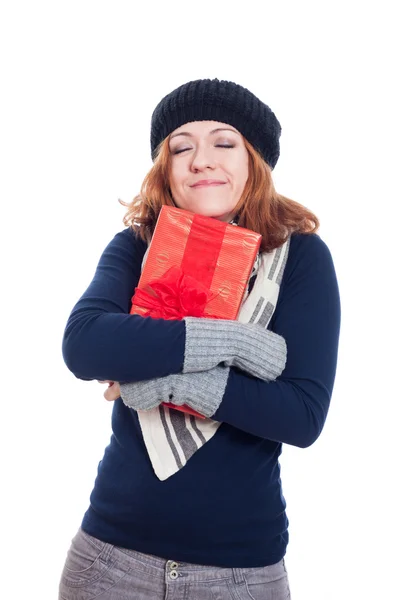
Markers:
point(196, 266)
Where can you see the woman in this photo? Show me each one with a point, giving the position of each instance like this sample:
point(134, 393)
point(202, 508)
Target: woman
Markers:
point(216, 527)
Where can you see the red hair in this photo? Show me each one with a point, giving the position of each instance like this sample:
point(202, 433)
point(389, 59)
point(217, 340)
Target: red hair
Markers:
point(260, 207)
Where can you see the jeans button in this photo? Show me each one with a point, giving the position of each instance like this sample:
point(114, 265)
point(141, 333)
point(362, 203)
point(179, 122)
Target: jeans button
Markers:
point(173, 565)
point(173, 574)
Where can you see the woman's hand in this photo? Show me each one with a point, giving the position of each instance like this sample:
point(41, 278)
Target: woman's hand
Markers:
point(113, 391)
point(140, 395)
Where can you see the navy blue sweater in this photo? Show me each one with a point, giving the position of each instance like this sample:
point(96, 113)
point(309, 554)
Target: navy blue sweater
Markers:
point(226, 506)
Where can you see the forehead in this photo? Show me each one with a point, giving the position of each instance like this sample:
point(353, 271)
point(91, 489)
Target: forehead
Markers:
point(202, 128)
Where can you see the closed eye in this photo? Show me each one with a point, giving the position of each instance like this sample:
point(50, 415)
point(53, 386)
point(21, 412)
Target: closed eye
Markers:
point(180, 150)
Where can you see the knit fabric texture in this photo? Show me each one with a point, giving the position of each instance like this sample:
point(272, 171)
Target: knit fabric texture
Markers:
point(223, 101)
point(147, 394)
point(247, 346)
point(201, 391)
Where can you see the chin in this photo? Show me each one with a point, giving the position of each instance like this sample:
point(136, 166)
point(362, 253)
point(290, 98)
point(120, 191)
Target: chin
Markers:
point(226, 218)
point(213, 212)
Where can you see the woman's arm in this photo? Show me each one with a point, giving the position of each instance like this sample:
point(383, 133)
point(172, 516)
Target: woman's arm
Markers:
point(103, 341)
point(293, 408)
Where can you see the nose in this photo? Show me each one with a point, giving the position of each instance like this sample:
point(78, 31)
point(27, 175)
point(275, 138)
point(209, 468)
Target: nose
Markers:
point(202, 159)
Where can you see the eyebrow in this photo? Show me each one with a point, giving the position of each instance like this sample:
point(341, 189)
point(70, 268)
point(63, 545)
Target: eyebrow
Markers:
point(188, 134)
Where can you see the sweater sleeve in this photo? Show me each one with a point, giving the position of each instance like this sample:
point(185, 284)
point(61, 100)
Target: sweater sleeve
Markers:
point(103, 341)
point(293, 408)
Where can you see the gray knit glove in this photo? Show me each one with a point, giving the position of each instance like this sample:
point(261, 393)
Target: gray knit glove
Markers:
point(201, 391)
point(147, 394)
point(247, 346)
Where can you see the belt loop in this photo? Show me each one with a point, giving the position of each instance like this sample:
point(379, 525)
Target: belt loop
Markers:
point(238, 576)
point(107, 552)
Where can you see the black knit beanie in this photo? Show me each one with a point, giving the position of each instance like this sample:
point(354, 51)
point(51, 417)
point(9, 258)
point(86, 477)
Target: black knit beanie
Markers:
point(223, 101)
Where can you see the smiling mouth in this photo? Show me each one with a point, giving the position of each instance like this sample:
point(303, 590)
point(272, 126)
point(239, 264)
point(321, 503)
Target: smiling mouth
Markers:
point(207, 184)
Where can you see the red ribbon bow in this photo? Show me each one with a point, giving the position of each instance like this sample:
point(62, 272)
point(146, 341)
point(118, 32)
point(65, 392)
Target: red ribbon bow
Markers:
point(173, 296)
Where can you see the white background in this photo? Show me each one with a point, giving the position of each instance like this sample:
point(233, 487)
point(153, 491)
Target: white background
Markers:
point(79, 81)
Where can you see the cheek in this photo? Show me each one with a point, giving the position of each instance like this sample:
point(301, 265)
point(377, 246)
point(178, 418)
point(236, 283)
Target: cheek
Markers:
point(175, 178)
point(238, 163)
point(242, 172)
point(175, 185)
point(172, 180)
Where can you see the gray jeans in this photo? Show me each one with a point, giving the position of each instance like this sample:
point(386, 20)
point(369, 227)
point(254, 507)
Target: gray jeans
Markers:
point(96, 570)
